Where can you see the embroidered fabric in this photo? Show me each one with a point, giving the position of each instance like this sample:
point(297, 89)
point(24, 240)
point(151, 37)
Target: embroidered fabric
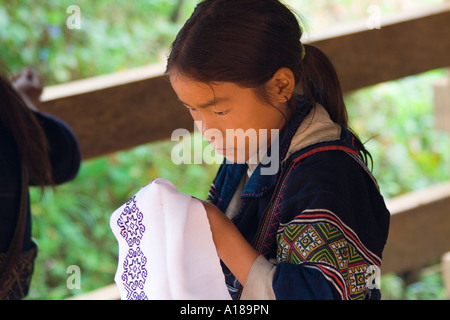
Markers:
point(166, 250)
point(18, 282)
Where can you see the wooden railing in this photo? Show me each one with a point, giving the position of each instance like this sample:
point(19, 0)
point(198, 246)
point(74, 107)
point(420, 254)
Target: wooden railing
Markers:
point(125, 109)
point(420, 229)
point(119, 111)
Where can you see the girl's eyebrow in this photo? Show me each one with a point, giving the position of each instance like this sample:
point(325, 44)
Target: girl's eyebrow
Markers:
point(209, 103)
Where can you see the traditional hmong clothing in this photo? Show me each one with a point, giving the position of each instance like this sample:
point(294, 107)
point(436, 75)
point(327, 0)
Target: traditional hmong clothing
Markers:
point(320, 223)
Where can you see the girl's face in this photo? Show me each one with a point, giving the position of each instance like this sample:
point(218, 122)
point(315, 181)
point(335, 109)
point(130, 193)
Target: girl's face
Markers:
point(234, 120)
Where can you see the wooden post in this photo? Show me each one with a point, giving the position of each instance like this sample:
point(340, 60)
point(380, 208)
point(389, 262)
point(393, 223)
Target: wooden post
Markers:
point(442, 104)
point(446, 272)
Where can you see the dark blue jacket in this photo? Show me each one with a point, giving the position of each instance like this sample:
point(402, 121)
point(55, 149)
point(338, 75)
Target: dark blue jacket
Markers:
point(321, 217)
point(65, 160)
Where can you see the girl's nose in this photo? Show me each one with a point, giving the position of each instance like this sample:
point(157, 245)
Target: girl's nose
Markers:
point(210, 133)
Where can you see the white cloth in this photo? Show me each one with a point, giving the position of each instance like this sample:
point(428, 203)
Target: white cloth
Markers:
point(166, 250)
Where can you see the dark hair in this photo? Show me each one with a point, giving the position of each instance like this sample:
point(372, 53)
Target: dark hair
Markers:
point(246, 42)
point(25, 129)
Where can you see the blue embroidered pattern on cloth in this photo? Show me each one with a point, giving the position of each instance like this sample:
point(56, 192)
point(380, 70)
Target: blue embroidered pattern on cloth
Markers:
point(321, 239)
point(134, 265)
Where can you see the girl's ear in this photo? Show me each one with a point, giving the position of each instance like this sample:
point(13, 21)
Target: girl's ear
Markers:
point(282, 85)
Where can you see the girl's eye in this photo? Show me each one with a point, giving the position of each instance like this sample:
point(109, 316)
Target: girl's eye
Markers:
point(189, 108)
point(220, 113)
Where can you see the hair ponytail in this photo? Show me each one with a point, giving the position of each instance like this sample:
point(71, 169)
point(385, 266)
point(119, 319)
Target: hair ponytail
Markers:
point(30, 138)
point(320, 83)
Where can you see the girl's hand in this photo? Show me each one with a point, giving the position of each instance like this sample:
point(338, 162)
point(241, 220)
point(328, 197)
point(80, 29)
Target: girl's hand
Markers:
point(30, 85)
point(232, 248)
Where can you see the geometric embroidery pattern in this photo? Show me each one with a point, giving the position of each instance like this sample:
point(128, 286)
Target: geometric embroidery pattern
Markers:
point(132, 230)
point(323, 243)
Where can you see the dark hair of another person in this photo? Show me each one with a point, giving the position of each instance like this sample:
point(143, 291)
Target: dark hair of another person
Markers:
point(246, 42)
point(25, 129)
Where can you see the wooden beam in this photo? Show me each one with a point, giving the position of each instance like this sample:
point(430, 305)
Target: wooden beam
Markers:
point(405, 45)
point(419, 232)
point(110, 292)
point(119, 111)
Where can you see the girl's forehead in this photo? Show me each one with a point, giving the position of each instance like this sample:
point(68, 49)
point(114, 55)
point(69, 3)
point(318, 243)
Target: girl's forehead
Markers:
point(185, 84)
point(192, 91)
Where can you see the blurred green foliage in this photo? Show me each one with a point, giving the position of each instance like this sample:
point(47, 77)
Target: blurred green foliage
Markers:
point(114, 35)
point(71, 224)
point(397, 121)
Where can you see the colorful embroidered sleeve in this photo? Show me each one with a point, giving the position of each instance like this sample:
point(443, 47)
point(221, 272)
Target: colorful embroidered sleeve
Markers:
point(318, 240)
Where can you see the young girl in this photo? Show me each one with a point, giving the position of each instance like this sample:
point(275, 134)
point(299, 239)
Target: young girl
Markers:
point(316, 228)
